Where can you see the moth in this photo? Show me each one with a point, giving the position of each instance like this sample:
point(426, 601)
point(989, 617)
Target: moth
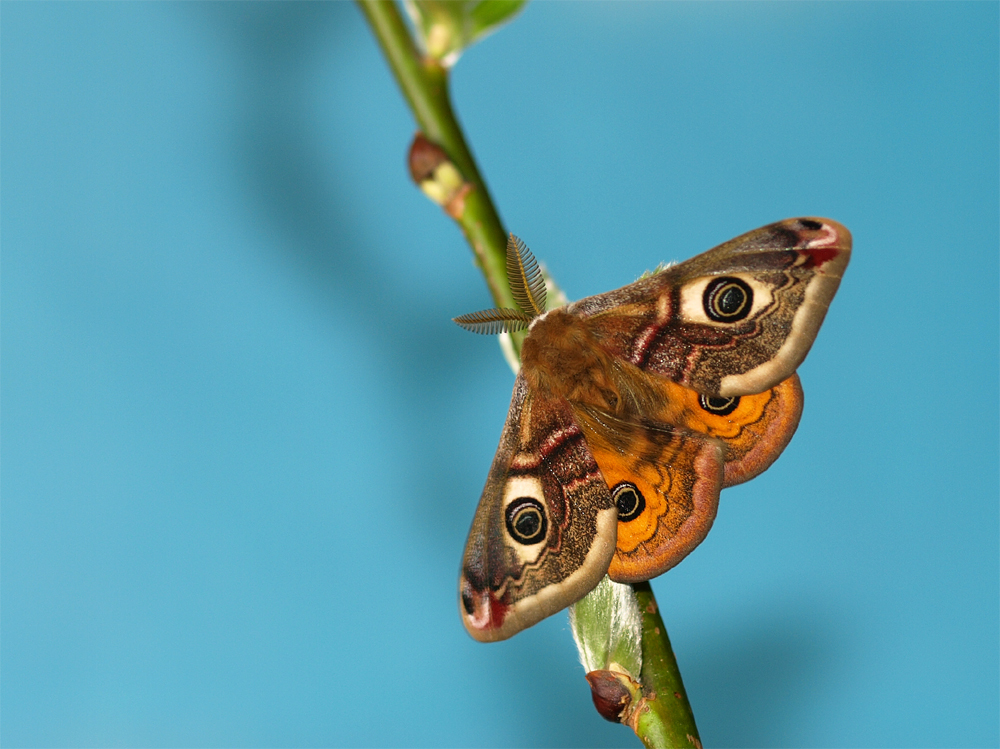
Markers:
point(633, 409)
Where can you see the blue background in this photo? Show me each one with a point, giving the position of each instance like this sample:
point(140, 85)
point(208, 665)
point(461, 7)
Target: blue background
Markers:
point(243, 441)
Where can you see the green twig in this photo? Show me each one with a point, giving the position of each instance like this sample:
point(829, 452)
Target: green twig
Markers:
point(666, 720)
point(662, 717)
point(424, 82)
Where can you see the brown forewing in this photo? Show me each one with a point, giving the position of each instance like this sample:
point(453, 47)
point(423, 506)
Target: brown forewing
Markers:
point(542, 454)
point(800, 267)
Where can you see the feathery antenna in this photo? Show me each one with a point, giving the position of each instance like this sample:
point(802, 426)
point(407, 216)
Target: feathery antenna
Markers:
point(493, 321)
point(527, 286)
point(524, 277)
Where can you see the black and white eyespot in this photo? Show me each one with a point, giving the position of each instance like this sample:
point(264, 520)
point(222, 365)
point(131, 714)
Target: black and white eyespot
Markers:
point(718, 406)
point(525, 519)
point(727, 299)
point(629, 501)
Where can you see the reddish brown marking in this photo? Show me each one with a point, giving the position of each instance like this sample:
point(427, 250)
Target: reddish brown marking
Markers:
point(498, 611)
point(819, 256)
point(557, 438)
point(573, 484)
point(641, 348)
point(455, 207)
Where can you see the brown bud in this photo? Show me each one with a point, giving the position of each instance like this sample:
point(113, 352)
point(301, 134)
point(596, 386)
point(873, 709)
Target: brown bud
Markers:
point(424, 158)
point(438, 177)
point(611, 696)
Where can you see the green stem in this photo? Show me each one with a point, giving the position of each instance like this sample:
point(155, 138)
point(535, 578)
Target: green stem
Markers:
point(668, 721)
point(424, 82)
point(665, 720)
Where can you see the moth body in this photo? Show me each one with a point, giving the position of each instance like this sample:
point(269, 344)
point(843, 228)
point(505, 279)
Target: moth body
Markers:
point(633, 409)
point(561, 359)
